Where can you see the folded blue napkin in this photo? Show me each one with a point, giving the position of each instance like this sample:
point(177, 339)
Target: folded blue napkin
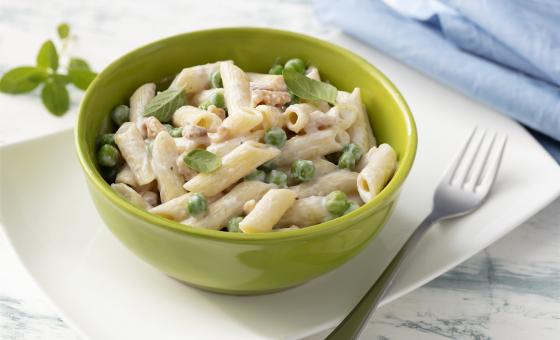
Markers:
point(505, 53)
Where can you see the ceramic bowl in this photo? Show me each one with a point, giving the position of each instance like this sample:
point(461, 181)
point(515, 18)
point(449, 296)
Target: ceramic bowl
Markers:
point(236, 263)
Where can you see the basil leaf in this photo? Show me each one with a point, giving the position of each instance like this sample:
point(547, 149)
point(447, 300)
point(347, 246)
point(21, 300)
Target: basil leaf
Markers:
point(81, 78)
point(55, 97)
point(308, 88)
point(202, 161)
point(47, 56)
point(165, 104)
point(78, 64)
point(22, 79)
point(63, 30)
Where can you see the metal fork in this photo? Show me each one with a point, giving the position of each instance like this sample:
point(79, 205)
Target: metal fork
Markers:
point(463, 188)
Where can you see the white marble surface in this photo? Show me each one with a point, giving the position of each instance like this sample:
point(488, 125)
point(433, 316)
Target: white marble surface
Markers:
point(511, 290)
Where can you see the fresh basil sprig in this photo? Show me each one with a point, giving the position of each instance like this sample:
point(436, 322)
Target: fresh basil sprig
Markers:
point(54, 93)
point(164, 104)
point(202, 161)
point(308, 88)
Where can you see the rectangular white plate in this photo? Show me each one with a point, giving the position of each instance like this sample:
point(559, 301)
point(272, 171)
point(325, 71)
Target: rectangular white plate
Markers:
point(105, 292)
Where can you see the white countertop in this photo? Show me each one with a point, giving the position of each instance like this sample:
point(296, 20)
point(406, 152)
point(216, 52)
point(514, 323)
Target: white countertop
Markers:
point(511, 290)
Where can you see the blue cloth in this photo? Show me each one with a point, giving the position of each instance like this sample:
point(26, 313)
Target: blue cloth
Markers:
point(504, 53)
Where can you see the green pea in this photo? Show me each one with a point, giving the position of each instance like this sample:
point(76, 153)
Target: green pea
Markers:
point(105, 138)
point(354, 149)
point(353, 206)
point(295, 64)
point(204, 105)
point(176, 132)
point(233, 224)
point(277, 177)
point(120, 114)
point(168, 127)
point(303, 170)
point(351, 153)
point(257, 175)
point(276, 69)
point(197, 204)
point(217, 99)
point(267, 166)
point(346, 161)
point(336, 202)
point(216, 79)
point(275, 136)
point(108, 155)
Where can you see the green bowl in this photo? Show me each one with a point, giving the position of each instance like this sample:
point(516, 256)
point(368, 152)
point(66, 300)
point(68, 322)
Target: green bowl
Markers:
point(236, 263)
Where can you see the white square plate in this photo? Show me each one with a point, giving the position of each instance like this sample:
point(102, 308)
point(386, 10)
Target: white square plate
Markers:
point(107, 293)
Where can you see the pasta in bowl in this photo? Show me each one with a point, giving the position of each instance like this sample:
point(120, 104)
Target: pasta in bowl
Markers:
point(232, 167)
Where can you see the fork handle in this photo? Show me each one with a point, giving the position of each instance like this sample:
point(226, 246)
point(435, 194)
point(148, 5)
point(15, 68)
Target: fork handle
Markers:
point(352, 326)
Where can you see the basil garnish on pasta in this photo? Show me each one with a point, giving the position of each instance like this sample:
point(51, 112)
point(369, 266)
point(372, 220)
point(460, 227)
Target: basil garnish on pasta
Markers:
point(202, 161)
point(308, 88)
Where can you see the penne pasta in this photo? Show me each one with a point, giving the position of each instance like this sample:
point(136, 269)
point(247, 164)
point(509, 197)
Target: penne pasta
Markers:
point(140, 98)
point(268, 211)
point(305, 212)
point(323, 167)
point(262, 81)
point(345, 114)
point(297, 116)
point(130, 195)
point(203, 96)
point(190, 115)
point(271, 116)
point(230, 205)
point(342, 180)
point(313, 145)
point(164, 157)
point(195, 78)
point(235, 165)
point(223, 148)
point(379, 170)
point(236, 87)
point(242, 122)
point(133, 149)
point(174, 209)
point(360, 131)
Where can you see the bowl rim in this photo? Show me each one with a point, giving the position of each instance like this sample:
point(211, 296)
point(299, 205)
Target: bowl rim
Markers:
point(334, 225)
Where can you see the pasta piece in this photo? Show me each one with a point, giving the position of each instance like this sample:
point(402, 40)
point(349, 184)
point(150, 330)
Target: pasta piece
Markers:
point(342, 180)
point(184, 145)
point(312, 145)
point(164, 157)
point(195, 78)
point(271, 116)
point(183, 169)
point(130, 195)
point(268, 211)
point(240, 123)
point(262, 81)
point(126, 176)
point(305, 212)
point(360, 131)
point(132, 147)
point(230, 205)
point(365, 159)
point(267, 97)
point(175, 209)
point(313, 73)
point(153, 127)
point(346, 114)
point(236, 87)
point(319, 121)
point(140, 98)
point(186, 115)
point(221, 113)
point(379, 170)
point(235, 165)
point(241, 117)
point(297, 116)
point(249, 206)
point(203, 96)
point(223, 148)
point(323, 167)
